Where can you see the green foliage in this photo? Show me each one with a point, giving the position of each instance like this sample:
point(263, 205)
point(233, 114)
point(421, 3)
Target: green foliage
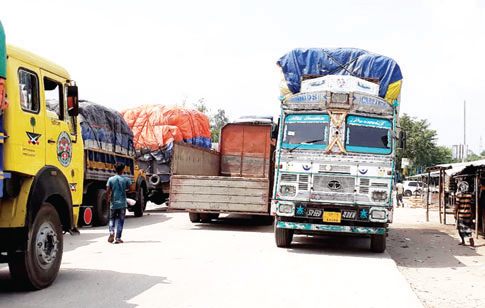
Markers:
point(473, 157)
point(216, 120)
point(421, 148)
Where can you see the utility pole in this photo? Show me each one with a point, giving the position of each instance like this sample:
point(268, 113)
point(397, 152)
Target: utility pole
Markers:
point(465, 154)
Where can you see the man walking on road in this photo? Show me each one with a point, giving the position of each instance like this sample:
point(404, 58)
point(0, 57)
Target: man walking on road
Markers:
point(399, 193)
point(116, 189)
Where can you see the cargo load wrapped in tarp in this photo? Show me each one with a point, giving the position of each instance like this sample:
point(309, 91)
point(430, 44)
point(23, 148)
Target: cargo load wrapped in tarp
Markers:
point(155, 127)
point(340, 61)
point(104, 129)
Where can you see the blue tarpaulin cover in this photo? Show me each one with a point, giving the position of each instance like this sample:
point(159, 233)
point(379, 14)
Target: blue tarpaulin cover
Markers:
point(339, 61)
point(105, 129)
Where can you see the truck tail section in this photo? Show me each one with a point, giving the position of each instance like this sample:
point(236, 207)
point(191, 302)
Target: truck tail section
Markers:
point(243, 181)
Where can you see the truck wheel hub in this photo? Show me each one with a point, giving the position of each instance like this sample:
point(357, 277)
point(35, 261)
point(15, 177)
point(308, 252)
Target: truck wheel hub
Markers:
point(46, 245)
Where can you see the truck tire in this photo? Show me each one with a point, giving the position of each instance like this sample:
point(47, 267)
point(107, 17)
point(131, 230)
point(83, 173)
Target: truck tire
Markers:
point(194, 217)
point(140, 204)
point(378, 243)
point(38, 265)
point(408, 193)
point(283, 236)
point(100, 208)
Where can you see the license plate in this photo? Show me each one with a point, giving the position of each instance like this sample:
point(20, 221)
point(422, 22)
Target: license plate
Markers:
point(350, 215)
point(332, 216)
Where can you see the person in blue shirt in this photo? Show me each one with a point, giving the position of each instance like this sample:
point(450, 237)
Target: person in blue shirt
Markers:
point(116, 189)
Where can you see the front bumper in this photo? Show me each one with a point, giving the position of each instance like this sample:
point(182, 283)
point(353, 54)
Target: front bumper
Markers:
point(330, 228)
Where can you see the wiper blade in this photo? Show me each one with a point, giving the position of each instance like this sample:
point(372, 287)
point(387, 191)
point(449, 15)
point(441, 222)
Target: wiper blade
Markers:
point(305, 142)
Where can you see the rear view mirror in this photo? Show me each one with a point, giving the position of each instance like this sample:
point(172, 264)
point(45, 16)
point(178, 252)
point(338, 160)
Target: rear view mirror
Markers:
point(72, 101)
point(402, 140)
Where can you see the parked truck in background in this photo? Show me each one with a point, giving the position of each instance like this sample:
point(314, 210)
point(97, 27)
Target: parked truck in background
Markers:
point(160, 132)
point(107, 140)
point(335, 155)
point(41, 165)
point(240, 178)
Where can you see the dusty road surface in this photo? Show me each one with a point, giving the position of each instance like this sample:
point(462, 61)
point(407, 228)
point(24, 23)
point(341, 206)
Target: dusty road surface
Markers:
point(166, 261)
point(442, 273)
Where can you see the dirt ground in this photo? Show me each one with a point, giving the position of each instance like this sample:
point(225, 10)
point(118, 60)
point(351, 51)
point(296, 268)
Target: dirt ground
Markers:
point(441, 272)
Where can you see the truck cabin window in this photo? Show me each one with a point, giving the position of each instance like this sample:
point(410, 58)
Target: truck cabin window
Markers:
point(307, 131)
point(29, 91)
point(368, 135)
point(54, 95)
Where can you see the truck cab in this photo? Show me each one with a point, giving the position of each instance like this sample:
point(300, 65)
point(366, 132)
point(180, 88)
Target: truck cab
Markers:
point(42, 157)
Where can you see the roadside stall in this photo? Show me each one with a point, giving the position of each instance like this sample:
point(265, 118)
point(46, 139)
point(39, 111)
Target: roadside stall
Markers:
point(450, 174)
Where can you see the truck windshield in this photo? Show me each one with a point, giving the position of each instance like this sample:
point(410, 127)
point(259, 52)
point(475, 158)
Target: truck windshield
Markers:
point(368, 135)
point(306, 131)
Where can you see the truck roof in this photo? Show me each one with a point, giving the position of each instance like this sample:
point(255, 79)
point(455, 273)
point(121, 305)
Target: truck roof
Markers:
point(33, 59)
point(341, 61)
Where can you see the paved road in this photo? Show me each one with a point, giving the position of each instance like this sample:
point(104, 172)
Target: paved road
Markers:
point(166, 261)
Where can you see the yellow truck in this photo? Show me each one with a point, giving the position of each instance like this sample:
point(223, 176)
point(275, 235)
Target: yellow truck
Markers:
point(41, 165)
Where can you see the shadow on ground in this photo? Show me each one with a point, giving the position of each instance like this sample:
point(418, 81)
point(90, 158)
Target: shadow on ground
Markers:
point(72, 287)
point(239, 223)
point(425, 248)
point(92, 234)
point(335, 244)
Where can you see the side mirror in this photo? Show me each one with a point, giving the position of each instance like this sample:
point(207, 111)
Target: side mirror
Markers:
point(72, 101)
point(402, 140)
point(275, 130)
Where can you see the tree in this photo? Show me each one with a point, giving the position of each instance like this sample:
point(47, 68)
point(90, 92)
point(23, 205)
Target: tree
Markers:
point(421, 148)
point(200, 106)
point(216, 120)
point(472, 156)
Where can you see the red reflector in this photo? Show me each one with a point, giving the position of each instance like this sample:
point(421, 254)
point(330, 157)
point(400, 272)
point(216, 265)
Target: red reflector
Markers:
point(88, 216)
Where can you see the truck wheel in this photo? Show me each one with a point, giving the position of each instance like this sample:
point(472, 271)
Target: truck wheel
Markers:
point(283, 236)
point(408, 193)
point(194, 217)
point(101, 208)
point(37, 267)
point(378, 242)
point(140, 202)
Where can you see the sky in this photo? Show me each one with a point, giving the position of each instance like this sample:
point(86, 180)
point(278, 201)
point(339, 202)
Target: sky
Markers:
point(124, 54)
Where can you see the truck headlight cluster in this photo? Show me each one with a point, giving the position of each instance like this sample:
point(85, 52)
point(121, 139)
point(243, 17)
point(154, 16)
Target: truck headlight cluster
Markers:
point(379, 196)
point(378, 215)
point(287, 190)
point(286, 209)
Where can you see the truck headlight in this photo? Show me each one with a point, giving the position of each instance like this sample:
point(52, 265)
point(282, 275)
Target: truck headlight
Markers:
point(378, 215)
point(286, 209)
point(287, 190)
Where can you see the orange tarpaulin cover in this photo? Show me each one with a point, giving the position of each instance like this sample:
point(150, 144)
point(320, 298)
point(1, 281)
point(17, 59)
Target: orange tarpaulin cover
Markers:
point(154, 126)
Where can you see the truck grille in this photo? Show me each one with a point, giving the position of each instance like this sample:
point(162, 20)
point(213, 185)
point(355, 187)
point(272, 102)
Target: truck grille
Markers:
point(333, 184)
point(286, 177)
point(303, 182)
point(380, 185)
point(364, 186)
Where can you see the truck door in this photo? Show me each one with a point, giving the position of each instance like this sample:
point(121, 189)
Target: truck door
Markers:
point(60, 150)
point(26, 147)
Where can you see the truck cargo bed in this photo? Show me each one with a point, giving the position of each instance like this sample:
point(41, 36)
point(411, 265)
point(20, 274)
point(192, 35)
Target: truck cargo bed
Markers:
point(219, 193)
